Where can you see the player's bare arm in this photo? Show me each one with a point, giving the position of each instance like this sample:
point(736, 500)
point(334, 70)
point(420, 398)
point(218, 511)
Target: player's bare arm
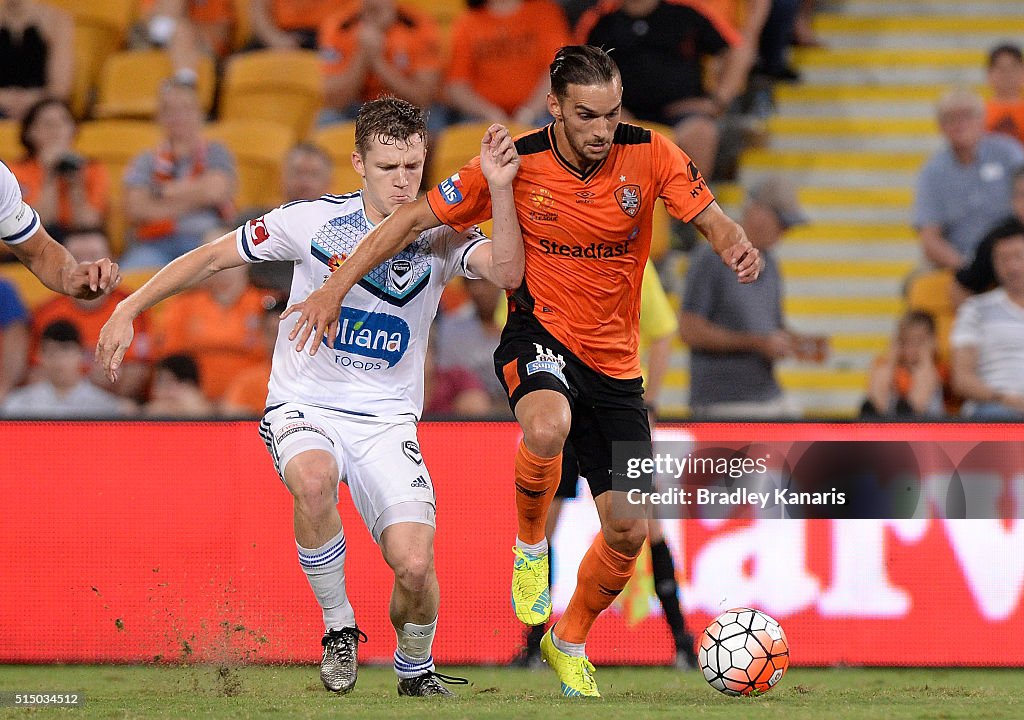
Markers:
point(730, 241)
point(503, 261)
point(58, 270)
point(186, 271)
point(318, 314)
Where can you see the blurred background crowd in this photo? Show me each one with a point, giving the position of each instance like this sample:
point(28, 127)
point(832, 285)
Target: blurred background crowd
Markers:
point(881, 140)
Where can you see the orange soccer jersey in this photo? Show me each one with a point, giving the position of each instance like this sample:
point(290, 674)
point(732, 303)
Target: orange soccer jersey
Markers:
point(587, 235)
point(486, 45)
point(1005, 117)
point(412, 44)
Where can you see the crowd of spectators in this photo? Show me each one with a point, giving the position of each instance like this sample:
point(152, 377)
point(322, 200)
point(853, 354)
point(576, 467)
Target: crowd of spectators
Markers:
point(686, 67)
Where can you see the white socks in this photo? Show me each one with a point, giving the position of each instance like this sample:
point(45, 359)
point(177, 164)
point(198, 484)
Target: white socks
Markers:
point(535, 550)
point(325, 569)
point(574, 649)
point(413, 658)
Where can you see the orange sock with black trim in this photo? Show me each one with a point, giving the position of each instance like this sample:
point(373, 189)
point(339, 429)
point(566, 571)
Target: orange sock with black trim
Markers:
point(602, 575)
point(536, 480)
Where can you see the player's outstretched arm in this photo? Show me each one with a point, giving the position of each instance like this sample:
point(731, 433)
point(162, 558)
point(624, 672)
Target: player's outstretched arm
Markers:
point(57, 269)
point(182, 273)
point(318, 313)
point(730, 241)
point(503, 261)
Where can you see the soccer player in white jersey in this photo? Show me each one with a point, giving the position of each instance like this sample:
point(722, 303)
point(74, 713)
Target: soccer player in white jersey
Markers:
point(48, 260)
point(351, 412)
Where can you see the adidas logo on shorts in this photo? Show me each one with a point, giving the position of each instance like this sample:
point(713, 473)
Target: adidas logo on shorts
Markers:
point(420, 482)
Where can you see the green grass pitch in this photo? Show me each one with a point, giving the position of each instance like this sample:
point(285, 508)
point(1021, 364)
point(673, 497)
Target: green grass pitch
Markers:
point(207, 691)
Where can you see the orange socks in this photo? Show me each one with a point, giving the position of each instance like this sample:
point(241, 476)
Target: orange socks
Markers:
point(536, 480)
point(602, 575)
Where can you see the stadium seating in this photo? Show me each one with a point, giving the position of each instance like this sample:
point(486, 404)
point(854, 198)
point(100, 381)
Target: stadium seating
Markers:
point(10, 146)
point(930, 292)
point(129, 83)
point(457, 145)
point(338, 141)
point(283, 86)
point(259, 147)
point(115, 143)
point(100, 28)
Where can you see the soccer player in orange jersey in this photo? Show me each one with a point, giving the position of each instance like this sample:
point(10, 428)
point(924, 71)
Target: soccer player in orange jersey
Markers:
point(584, 198)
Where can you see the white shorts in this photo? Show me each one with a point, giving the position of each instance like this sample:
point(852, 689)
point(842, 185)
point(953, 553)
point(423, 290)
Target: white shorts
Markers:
point(379, 460)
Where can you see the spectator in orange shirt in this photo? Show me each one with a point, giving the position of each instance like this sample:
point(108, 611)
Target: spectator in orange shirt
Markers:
point(1004, 111)
point(501, 50)
point(88, 316)
point(66, 190)
point(288, 24)
point(218, 322)
point(373, 48)
point(246, 396)
point(909, 380)
point(189, 29)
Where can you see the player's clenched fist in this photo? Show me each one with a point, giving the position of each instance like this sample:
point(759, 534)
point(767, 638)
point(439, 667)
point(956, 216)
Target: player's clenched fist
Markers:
point(744, 259)
point(90, 280)
point(115, 339)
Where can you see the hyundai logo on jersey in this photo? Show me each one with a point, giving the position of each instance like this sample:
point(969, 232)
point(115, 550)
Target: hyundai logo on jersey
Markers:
point(370, 334)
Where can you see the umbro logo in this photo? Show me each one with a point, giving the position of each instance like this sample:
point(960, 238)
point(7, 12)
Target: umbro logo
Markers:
point(585, 197)
point(420, 482)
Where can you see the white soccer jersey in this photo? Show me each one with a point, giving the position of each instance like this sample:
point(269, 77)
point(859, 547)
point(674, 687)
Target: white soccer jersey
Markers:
point(375, 367)
point(18, 222)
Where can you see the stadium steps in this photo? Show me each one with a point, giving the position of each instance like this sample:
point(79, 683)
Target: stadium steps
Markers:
point(853, 136)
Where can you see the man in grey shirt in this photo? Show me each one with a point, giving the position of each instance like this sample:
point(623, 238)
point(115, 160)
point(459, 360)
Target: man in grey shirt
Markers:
point(179, 191)
point(963, 190)
point(737, 332)
point(63, 391)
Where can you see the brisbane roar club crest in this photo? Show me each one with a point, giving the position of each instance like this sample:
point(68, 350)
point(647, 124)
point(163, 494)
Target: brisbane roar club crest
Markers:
point(629, 199)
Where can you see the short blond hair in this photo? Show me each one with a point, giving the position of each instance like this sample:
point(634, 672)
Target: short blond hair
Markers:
point(960, 98)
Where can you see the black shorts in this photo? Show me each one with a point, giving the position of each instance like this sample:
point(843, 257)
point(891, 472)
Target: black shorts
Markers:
point(605, 410)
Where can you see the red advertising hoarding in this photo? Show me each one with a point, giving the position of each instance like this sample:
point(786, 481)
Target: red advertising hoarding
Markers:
point(131, 542)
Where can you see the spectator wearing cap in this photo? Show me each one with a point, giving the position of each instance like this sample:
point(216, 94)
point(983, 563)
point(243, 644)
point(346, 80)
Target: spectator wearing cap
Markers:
point(1004, 110)
point(737, 333)
point(964, 188)
point(988, 338)
point(62, 391)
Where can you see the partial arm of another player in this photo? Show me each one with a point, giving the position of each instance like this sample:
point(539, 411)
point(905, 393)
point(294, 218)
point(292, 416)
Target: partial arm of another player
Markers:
point(730, 241)
point(58, 270)
point(188, 270)
point(503, 262)
point(318, 313)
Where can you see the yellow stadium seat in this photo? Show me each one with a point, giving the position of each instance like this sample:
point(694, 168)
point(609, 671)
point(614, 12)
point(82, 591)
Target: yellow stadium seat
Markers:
point(100, 27)
point(130, 81)
point(10, 145)
point(32, 292)
point(443, 11)
point(338, 141)
point(115, 143)
point(930, 292)
point(283, 86)
point(243, 23)
point(456, 145)
point(259, 147)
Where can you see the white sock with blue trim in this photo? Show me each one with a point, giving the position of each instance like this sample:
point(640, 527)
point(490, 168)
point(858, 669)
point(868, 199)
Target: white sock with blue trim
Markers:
point(413, 656)
point(325, 569)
